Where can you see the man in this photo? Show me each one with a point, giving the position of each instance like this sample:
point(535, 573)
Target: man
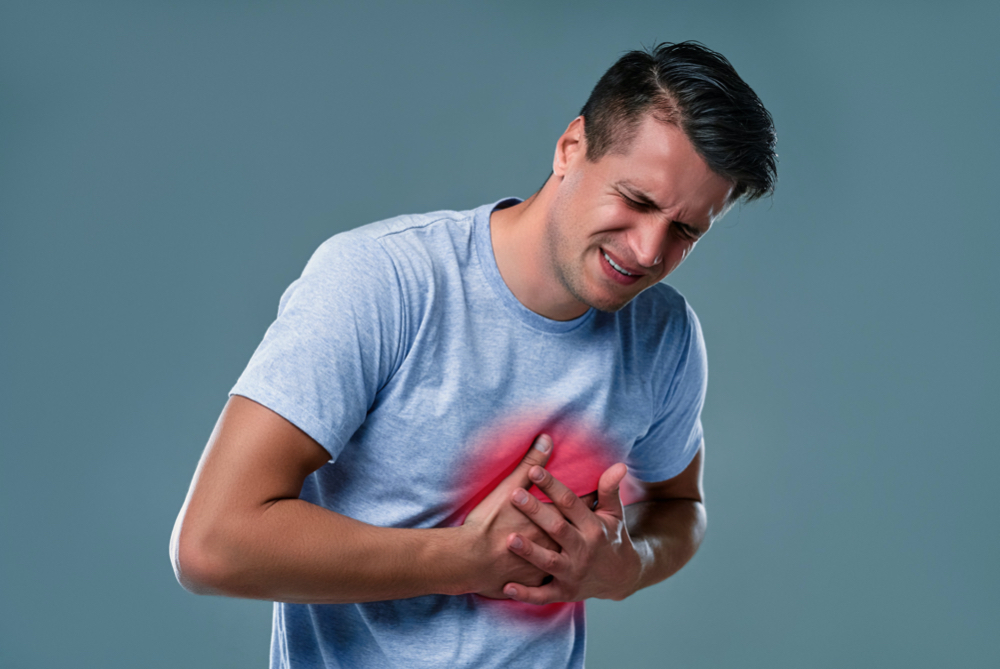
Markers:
point(370, 471)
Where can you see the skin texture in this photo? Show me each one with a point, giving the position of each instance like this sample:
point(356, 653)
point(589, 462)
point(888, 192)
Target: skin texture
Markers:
point(243, 532)
point(645, 208)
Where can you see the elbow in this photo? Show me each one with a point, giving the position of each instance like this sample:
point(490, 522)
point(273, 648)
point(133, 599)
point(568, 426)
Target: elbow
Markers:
point(197, 567)
point(196, 571)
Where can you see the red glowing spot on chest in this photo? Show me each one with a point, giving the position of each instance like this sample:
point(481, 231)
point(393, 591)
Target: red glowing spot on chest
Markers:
point(579, 456)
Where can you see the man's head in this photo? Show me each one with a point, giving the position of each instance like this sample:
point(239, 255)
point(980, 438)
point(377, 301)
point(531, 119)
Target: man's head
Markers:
point(667, 142)
point(696, 89)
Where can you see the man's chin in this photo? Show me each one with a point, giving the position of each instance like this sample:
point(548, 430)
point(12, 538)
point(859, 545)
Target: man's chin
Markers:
point(607, 304)
point(613, 301)
point(606, 301)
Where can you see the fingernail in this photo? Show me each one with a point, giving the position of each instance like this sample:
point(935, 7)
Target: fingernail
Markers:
point(536, 475)
point(520, 497)
point(543, 443)
point(517, 544)
point(510, 591)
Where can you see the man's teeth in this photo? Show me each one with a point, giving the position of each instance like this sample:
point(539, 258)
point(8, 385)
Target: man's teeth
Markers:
point(615, 265)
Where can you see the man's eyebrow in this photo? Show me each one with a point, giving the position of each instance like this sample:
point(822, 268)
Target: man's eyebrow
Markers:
point(637, 194)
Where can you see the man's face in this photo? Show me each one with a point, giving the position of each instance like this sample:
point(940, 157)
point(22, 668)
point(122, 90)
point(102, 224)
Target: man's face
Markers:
point(620, 224)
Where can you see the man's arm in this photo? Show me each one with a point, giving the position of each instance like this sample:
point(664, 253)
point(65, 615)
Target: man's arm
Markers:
point(668, 524)
point(243, 531)
point(612, 551)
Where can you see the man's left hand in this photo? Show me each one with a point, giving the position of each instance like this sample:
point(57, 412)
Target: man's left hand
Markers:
point(598, 558)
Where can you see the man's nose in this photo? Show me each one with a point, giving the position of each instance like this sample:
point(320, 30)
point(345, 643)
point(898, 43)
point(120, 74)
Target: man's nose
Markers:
point(649, 240)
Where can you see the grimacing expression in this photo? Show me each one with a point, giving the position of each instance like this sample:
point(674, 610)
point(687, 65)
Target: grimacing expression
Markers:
point(622, 223)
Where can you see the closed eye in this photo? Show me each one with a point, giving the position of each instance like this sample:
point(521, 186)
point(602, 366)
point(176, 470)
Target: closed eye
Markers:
point(686, 232)
point(635, 204)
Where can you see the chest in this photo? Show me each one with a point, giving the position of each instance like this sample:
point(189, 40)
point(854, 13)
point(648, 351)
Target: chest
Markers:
point(465, 404)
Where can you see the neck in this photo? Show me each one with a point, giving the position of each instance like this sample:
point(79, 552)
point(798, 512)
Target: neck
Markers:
point(522, 254)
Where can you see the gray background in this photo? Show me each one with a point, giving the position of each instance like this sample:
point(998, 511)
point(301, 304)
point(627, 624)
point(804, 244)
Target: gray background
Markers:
point(166, 168)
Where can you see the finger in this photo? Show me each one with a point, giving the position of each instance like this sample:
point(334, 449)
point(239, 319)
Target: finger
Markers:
point(609, 498)
point(500, 489)
point(562, 497)
point(549, 518)
point(548, 561)
point(538, 455)
point(543, 594)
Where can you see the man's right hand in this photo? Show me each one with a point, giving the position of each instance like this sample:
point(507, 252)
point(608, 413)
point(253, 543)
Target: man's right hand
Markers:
point(494, 519)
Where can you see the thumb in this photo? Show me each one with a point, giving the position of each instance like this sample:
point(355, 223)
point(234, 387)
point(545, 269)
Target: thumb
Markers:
point(608, 490)
point(538, 454)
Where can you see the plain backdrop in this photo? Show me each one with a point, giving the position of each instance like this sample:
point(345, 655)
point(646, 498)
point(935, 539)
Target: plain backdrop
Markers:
point(166, 169)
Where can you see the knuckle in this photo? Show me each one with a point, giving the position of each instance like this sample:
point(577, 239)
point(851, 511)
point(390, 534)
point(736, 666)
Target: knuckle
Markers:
point(551, 561)
point(544, 540)
point(594, 535)
point(567, 498)
point(559, 527)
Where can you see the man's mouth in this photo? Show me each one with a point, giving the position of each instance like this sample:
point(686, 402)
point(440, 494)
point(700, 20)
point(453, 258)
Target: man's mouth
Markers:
point(617, 267)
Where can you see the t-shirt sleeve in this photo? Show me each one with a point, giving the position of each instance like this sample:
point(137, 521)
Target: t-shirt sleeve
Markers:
point(676, 433)
point(334, 343)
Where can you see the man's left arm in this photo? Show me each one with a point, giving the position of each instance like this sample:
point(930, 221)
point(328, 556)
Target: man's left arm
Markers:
point(610, 551)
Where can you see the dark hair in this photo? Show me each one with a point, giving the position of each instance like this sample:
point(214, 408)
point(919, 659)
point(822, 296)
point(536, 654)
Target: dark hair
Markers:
point(697, 89)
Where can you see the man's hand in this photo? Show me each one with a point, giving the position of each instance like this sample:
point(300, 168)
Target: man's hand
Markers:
point(597, 557)
point(494, 519)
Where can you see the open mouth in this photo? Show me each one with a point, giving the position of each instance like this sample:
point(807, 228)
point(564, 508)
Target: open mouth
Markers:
point(618, 268)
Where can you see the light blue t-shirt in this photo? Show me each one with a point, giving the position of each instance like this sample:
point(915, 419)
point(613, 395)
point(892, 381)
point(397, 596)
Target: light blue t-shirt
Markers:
point(403, 353)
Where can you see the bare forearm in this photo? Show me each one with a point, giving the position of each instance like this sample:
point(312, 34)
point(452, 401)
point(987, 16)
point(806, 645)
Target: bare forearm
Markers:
point(666, 534)
point(294, 551)
point(244, 532)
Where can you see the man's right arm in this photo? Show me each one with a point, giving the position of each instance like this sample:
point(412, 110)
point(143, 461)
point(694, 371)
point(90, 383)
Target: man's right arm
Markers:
point(244, 532)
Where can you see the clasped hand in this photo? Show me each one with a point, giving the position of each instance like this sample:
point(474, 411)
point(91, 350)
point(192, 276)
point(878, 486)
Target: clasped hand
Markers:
point(560, 552)
point(596, 557)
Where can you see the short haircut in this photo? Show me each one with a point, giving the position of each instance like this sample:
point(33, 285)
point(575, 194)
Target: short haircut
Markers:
point(697, 89)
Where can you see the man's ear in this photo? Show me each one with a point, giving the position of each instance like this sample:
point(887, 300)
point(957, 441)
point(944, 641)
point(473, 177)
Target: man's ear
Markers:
point(572, 145)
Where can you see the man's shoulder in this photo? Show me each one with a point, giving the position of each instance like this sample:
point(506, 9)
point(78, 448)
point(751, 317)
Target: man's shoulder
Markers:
point(659, 315)
point(409, 238)
point(414, 226)
point(663, 294)
point(662, 301)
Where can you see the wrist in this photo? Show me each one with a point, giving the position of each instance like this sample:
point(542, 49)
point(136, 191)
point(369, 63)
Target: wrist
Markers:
point(450, 558)
point(633, 570)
